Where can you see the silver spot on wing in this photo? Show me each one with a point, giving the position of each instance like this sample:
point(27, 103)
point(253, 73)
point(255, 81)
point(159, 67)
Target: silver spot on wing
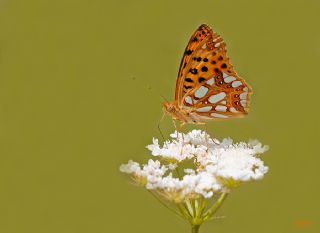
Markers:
point(221, 108)
point(204, 109)
point(217, 115)
point(188, 100)
point(243, 103)
point(228, 78)
point(210, 81)
point(216, 98)
point(236, 84)
point(201, 92)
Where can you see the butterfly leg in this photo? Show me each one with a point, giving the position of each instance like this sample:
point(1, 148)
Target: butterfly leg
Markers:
point(181, 129)
point(182, 135)
point(178, 129)
point(206, 135)
point(177, 133)
point(159, 126)
point(175, 127)
point(181, 125)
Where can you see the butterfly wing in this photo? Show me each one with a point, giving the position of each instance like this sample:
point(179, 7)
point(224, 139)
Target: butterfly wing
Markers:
point(207, 83)
point(199, 37)
point(213, 100)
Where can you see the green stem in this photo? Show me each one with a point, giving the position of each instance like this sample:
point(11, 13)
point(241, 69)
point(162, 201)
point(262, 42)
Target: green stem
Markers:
point(202, 206)
point(165, 205)
point(195, 228)
point(184, 212)
point(215, 206)
point(189, 207)
point(178, 173)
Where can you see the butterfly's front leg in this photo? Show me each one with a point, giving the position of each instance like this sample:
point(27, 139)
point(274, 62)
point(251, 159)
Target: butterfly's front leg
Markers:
point(207, 136)
point(181, 125)
point(175, 127)
point(181, 129)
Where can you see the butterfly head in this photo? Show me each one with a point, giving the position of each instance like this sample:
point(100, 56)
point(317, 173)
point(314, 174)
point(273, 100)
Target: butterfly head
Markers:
point(169, 107)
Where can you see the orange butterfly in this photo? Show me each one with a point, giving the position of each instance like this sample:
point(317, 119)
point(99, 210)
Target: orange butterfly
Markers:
point(207, 87)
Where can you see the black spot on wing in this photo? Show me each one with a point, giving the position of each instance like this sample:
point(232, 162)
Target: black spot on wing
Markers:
point(189, 80)
point(193, 71)
point(204, 69)
point(201, 79)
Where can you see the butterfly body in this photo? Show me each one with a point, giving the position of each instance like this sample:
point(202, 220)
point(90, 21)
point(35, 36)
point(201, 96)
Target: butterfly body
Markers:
point(185, 115)
point(207, 87)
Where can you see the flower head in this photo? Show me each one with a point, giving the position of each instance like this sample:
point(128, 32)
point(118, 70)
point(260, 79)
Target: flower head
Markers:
point(214, 166)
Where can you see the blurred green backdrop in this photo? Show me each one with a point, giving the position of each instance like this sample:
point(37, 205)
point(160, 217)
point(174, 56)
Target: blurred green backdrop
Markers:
point(79, 95)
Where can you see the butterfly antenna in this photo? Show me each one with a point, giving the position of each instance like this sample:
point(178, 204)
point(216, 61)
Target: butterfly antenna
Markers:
point(164, 98)
point(159, 126)
point(149, 88)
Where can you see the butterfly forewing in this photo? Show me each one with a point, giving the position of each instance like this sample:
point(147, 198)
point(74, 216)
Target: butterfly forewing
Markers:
point(200, 37)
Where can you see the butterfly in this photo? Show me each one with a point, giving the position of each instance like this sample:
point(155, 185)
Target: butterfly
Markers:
point(207, 87)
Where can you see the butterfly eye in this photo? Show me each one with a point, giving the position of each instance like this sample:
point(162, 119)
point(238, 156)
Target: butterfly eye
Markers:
point(170, 109)
point(236, 96)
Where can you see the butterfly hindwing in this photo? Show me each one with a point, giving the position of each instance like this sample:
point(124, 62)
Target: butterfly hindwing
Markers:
point(208, 100)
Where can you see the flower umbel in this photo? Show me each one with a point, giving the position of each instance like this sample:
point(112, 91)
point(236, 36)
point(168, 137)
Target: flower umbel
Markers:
point(192, 173)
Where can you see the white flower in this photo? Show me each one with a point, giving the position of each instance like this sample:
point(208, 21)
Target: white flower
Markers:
point(154, 168)
point(214, 166)
point(226, 142)
point(238, 164)
point(130, 167)
point(172, 166)
point(202, 183)
point(257, 146)
point(175, 150)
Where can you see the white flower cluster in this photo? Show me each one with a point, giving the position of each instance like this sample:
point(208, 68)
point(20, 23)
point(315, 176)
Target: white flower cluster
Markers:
point(215, 166)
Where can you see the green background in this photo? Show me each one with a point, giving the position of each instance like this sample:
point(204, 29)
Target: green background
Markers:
point(80, 85)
